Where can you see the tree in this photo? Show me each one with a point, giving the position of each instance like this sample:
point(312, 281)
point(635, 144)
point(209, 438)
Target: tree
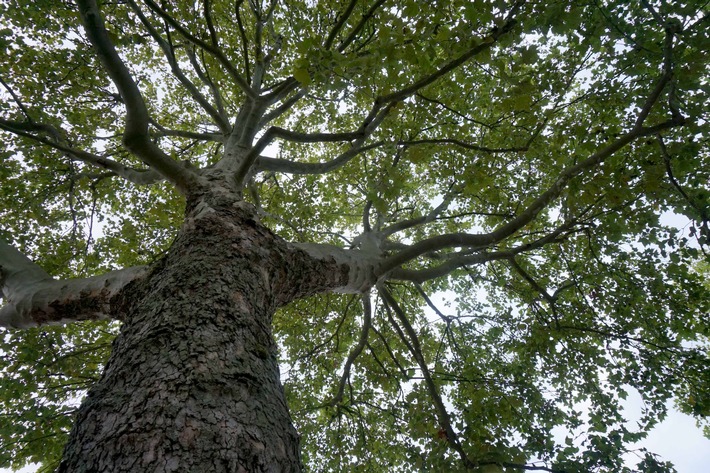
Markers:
point(231, 189)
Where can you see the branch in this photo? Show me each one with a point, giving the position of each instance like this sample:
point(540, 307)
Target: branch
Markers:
point(162, 131)
point(359, 137)
point(17, 100)
point(484, 240)
point(442, 414)
point(135, 137)
point(551, 299)
point(459, 260)
point(702, 211)
point(245, 42)
point(33, 298)
point(58, 302)
point(362, 266)
point(410, 223)
point(214, 51)
point(465, 145)
point(416, 351)
point(206, 79)
point(264, 163)
point(339, 24)
point(288, 135)
point(136, 176)
point(207, 12)
point(485, 43)
point(381, 108)
point(364, 332)
point(356, 31)
point(263, 60)
point(169, 52)
point(284, 107)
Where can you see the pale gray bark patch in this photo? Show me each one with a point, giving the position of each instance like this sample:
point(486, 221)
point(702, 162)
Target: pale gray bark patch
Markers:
point(17, 270)
point(362, 266)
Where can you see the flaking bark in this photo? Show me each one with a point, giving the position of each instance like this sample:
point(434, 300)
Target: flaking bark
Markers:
point(192, 383)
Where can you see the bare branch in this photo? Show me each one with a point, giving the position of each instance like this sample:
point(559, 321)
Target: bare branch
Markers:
point(463, 144)
point(364, 333)
point(358, 28)
point(264, 163)
point(533, 283)
point(461, 259)
point(411, 223)
point(284, 107)
point(169, 52)
point(416, 350)
point(206, 79)
point(288, 135)
point(136, 176)
point(342, 18)
point(162, 131)
point(359, 137)
point(245, 42)
point(214, 51)
point(207, 12)
point(17, 100)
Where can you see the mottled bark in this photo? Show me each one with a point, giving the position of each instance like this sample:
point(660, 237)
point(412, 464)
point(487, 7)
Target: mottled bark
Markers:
point(192, 384)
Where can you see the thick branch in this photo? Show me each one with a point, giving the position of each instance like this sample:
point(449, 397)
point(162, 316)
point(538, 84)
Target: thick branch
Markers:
point(135, 137)
point(264, 163)
point(17, 270)
point(33, 298)
point(59, 302)
point(362, 266)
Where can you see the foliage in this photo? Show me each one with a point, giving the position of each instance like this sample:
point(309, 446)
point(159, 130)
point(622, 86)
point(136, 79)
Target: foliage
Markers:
point(478, 109)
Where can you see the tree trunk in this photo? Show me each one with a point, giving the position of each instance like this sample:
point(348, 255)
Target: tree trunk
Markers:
point(192, 384)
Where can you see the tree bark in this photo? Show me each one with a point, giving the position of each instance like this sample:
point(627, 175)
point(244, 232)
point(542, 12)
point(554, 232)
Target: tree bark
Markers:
point(192, 383)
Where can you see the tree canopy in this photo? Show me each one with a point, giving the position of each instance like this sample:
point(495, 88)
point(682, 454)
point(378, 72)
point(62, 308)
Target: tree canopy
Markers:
point(501, 175)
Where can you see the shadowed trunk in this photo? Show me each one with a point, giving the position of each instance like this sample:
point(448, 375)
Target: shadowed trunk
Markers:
point(193, 383)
